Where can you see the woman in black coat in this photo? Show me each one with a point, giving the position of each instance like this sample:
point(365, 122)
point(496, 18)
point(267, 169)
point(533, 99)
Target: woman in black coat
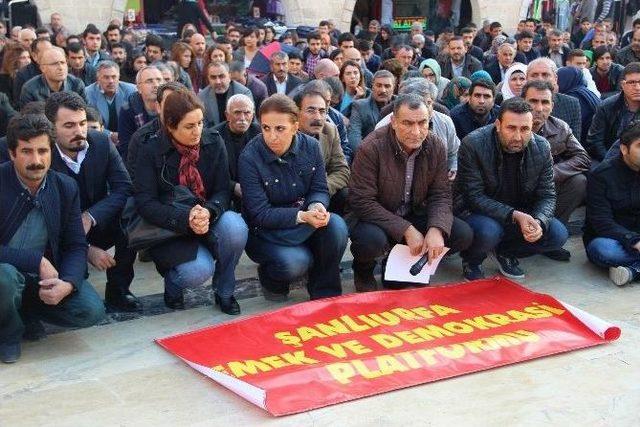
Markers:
point(210, 239)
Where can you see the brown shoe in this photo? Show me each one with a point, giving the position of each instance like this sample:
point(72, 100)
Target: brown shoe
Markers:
point(363, 278)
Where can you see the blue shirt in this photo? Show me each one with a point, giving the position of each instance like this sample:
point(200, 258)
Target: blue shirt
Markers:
point(275, 188)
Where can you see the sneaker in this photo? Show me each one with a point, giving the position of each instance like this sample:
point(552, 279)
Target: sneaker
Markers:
point(558, 255)
point(509, 267)
point(472, 271)
point(621, 275)
point(10, 352)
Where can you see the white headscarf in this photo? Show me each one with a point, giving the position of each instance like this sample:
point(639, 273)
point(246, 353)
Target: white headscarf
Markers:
point(506, 90)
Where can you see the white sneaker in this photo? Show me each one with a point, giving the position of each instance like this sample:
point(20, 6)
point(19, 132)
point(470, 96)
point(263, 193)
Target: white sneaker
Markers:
point(620, 275)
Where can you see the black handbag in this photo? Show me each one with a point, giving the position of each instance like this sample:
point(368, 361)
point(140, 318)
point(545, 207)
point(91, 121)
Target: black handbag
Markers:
point(141, 234)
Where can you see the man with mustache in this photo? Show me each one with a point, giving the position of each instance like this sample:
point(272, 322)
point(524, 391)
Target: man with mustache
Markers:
point(479, 111)
point(236, 132)
point(43, 250)
point(570, 160)
point(400, 193)
point(312, 120)
point(220, 89)
point(505, 192)
point(94, 163)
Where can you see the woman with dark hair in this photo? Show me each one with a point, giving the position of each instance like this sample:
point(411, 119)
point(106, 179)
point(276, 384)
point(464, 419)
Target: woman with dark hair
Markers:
point(571, 82)
point(130, 69)
point(209, 239)
point(15, 57)
point(269, 35)
point(383, 38)
point(249, 48)
point(337, 57)
point(354, 87)
point(284, 201)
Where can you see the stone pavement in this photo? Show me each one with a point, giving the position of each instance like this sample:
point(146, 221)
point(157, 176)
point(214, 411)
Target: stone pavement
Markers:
point(115, 374)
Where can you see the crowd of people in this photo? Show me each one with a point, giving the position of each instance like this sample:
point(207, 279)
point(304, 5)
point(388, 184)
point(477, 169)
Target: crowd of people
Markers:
point(187, 155)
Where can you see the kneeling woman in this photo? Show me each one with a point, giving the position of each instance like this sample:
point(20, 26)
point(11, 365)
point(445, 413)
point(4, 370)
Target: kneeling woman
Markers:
point(284, 201)
point(210, 238)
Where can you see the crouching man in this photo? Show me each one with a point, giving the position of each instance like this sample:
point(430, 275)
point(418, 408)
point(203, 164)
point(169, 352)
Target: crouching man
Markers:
point(612, 231)
point(400, 193)
point(505, 192)
point(43, 250)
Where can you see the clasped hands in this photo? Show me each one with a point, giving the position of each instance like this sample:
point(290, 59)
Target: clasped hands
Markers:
point(529, 226)
point(199, 219)
point(431, 243)
point(316, 216)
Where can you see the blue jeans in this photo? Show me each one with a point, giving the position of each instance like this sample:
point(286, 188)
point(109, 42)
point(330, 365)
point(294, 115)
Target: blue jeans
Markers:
point(605, 253)
point(489, 235)
point(19, 299)
point(320, 254)
point(231, 237)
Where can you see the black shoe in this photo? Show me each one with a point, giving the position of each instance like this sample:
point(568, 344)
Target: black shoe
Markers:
point(509, 267)
point(472, 271)
point(10, 352)
point(122, 301)
point(228, 306)
point(363, 278)
point(174, 303)
point(268, 294)
point(558, 255)
point(34, 330)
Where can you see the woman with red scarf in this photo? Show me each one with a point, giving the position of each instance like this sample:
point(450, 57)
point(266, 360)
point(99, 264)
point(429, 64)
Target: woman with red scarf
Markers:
point(210, 238)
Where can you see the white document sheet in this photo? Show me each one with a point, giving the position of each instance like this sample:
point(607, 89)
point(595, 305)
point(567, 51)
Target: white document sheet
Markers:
point(400, 261)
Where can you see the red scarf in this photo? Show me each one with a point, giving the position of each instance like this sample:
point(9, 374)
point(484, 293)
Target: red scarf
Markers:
point(188, 173)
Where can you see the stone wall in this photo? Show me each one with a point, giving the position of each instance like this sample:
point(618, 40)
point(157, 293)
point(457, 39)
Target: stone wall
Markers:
point(78, 13)
point(308, 12)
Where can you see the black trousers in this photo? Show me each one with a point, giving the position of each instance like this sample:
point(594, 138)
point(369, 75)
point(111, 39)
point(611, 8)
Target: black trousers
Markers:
point(119, 278)
point(369, 242)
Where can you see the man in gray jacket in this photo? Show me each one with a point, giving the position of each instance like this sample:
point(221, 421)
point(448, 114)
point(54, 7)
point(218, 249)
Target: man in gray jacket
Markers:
point(365, 113)
point(220, 88)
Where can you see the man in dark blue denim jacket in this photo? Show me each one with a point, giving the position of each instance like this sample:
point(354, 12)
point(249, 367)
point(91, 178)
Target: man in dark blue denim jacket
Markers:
point(43, 251)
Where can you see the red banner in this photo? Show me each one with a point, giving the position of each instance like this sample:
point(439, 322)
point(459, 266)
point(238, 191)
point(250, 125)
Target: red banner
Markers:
point(328, 351)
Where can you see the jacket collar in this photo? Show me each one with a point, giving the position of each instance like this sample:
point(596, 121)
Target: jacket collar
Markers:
point(269, 156)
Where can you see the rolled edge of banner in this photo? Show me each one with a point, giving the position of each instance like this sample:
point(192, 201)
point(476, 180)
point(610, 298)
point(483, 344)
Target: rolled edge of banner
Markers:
point(602, 328)
point(253, 394)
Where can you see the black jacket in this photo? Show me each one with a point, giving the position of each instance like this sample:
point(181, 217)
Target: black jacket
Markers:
point(156, 176)
point(613, 205)
point(471, 65)
point(67, 245)
point(234, 145)
point(494, 71)
point(189, 12)
point(25, 74)
point(37, 89)
point(605, 126)
point(103, 180)
point(614, 77)
point(480, 174)
point(292, 83)
point(564, 52)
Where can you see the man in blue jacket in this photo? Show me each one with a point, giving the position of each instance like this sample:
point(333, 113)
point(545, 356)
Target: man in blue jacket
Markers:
point(43, 250)
point(94, 163)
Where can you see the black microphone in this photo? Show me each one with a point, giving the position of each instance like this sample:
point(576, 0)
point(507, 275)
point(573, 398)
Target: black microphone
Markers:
point(418, 266)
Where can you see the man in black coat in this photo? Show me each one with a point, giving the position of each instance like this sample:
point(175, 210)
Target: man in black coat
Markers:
point(614, 114)
point(236, 132)
point(94, 163)
point(33, 69)
point(189, 12)
point(506, 194)
point(43, 251)
point(459, 62)
point(279, 80)
point(612, 230)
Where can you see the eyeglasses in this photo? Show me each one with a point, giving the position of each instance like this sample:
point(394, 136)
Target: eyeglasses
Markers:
point(632, 82)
